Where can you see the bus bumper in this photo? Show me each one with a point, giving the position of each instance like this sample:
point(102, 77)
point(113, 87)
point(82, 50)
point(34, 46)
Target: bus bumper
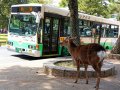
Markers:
point(28, 52)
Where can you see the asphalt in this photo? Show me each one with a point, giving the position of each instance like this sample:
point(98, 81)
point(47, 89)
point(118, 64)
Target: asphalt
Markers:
point(30, 76)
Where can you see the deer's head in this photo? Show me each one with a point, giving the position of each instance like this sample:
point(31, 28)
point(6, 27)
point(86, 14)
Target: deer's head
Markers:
point(67, 41)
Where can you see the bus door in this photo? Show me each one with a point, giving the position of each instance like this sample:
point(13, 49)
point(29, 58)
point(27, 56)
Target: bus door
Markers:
point(50, 36)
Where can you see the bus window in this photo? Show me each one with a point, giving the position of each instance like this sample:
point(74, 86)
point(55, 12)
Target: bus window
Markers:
point(109, 31)
point(66, 27)
point(55, 27)
point(22, 25)
point(84, 28)
point(98, 28)
point(14, 23)
point(114, 30)
point(47, 25)
point(103, 30)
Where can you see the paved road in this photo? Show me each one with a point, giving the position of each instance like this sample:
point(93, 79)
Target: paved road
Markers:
point(8, 58)
point(19, 72)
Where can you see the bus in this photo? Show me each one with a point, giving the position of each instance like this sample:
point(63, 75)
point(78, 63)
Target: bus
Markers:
point(36, 30)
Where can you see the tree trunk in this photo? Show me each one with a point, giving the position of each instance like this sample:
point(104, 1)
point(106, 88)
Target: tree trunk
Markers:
point(73, 7)
point(116, 48)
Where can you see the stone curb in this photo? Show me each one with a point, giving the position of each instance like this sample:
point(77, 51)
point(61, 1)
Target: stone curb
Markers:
point(108, 69)
point(114, 56)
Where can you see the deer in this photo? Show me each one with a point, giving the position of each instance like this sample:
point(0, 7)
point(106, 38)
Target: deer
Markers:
point(91, 54)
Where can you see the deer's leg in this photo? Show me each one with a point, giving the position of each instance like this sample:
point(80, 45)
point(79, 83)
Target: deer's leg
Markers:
point(86, 75)
point(78, 72)
point(98, 71)
point(98, 80)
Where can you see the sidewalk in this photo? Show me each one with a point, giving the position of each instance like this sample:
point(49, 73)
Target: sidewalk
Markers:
point(25, 77)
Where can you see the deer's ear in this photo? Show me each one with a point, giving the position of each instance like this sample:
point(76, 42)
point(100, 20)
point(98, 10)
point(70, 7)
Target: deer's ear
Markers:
point(68, 37)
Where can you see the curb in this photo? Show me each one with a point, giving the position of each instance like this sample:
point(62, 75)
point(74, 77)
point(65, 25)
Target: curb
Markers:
point(114, 56)
point(108, 69)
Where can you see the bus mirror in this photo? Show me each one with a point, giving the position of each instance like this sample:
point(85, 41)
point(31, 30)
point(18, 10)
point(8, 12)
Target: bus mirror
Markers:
point(34, 13)
point(37, 16)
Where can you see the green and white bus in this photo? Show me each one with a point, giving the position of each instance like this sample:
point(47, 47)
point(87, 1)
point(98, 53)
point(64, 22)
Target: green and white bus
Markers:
point(36, 29)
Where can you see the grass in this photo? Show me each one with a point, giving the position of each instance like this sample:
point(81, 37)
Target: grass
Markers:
point(68, 64)
point(3, 39)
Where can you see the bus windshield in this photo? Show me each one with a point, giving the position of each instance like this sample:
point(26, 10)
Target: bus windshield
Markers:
point(24, 25)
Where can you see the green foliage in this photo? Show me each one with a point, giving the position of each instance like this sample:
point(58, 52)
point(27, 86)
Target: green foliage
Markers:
point(40, 1)
point(64, 3)
point(96, 7)
point(116, 9)
point(93, 7)
point(4, 11)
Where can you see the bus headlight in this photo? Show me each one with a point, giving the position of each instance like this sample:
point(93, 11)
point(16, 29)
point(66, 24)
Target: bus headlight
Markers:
point(31, 47)
point(10, 43)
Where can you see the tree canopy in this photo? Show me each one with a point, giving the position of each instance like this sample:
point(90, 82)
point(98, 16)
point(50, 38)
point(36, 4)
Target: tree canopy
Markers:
point(4, 11)
point(40, 1)
point(116, 9)
point(94, 7)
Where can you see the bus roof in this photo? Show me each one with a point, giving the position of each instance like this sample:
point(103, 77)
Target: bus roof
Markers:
point(32, 4)
point(65, 12)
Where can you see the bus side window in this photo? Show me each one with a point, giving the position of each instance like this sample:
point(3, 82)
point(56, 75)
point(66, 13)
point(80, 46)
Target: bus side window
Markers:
point(66, 27)
point(84, 28)
point(40, 28)
point(114, 30)
point(47, 25)
point(109, 31)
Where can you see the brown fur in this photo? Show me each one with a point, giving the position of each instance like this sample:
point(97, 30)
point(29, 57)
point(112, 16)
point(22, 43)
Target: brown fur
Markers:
point(86, 55)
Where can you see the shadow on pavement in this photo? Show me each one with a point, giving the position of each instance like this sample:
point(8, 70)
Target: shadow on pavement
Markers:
point(30, 58)
point(29, 78)
point(24, 78)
